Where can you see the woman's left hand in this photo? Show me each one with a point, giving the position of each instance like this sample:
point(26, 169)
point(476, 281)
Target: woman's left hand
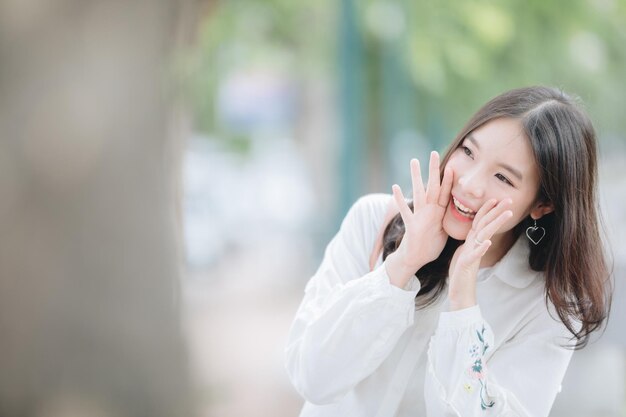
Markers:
point(466, 260)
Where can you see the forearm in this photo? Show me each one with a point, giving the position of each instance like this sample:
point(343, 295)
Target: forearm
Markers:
point(399, 271)
point(462, 295)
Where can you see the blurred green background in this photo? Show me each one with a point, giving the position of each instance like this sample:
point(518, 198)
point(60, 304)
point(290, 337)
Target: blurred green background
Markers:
point(403, 70)
point(298, 108)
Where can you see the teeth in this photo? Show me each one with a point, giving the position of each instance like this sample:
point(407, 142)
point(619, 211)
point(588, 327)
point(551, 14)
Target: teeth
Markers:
point(464, 210)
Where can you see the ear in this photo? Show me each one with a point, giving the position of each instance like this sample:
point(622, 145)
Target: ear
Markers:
point(540, 209)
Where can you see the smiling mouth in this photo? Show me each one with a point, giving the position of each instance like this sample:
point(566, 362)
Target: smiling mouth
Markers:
point(463, 211)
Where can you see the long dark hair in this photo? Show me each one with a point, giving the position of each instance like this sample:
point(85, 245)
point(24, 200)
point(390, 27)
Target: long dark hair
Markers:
point(573, 261)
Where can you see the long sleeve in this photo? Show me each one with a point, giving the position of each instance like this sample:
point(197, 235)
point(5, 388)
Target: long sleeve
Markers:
point(465, 377)
point(350, 319)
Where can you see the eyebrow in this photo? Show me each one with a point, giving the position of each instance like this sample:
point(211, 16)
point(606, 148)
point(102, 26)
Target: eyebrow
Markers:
point(509, 168)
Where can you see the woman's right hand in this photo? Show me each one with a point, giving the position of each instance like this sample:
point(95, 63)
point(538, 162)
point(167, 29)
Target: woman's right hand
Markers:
point(424, 237)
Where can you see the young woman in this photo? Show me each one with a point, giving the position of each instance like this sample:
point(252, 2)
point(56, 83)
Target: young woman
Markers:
point(469, 300)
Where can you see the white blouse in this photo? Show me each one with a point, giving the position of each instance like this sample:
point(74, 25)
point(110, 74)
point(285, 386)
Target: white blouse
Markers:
point(359, 347)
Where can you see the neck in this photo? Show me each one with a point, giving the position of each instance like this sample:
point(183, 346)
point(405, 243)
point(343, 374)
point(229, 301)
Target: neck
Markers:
point(500, 245)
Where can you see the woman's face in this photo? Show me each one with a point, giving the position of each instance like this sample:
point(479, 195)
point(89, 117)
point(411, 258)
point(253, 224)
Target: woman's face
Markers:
point(494, 161)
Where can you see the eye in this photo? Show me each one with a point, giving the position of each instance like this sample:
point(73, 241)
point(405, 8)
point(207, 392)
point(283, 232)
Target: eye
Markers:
point(467, 151)
point(504, 179)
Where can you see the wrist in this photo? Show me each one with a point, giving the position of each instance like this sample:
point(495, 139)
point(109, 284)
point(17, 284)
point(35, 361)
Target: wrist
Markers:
point(461, 299)
point(456, 305)
point(399, 271)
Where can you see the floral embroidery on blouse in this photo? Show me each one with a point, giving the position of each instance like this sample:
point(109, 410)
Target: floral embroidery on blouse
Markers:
point(476, 370)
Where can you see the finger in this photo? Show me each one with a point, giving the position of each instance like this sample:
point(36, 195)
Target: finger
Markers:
point(472, 236)
point(432, 190)
point(482, 211)
point(491, 228)
point(493, 213)
point(405, 211)
point(418, 186)
point(480, 250)
point(446, 187)
point(475, 252)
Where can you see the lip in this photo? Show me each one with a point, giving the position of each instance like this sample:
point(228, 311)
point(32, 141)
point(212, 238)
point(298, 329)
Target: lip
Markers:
point(458, 216)
point(464, 203)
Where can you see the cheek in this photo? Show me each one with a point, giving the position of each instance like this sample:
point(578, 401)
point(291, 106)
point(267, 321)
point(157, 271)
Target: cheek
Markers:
point(454, 162)
point(461, 165)
point(520, 212)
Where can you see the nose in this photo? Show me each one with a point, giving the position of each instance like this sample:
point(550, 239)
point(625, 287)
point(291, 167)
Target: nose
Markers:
point(472, 184)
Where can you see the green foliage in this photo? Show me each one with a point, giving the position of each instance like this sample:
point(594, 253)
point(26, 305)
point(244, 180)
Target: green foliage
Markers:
point(457, 53)
point(241, 35)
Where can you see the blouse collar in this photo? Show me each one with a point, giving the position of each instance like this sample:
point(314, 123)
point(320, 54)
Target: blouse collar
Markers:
point(513, 268)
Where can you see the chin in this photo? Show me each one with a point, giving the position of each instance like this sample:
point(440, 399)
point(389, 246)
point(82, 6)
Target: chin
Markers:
point(454, 229)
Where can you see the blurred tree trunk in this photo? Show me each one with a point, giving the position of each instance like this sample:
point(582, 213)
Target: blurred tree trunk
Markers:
point(190, 14)
point(89, 254)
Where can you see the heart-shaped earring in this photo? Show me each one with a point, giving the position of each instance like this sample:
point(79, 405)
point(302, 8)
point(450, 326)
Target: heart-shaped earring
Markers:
point(535, 233)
